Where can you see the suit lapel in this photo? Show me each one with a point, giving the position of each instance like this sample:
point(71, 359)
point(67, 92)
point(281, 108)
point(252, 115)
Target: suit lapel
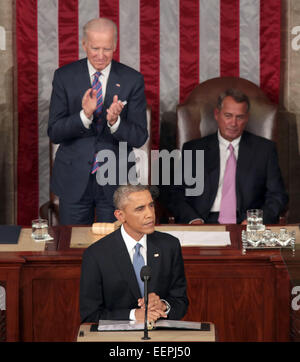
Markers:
point(113, 86)
point(124, 264)
point(244, 164)
point(84, 83)
point(83, 77)
point(212, 160)
point(153, 260)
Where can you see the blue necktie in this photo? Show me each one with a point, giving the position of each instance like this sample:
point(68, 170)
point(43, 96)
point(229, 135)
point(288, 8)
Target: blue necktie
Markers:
point(138, 263)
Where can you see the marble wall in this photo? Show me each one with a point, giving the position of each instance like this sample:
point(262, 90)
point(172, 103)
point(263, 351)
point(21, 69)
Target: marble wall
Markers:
point(8, 131)
point(289, 115)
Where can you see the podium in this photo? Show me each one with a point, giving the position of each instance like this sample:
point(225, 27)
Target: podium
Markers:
point(166, 335)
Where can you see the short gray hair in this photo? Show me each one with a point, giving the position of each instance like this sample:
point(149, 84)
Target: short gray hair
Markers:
point(100, 24)
point(122, 193)
point(236, 94)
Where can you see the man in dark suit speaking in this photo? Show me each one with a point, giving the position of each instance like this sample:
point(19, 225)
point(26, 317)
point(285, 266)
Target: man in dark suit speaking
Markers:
point(110, 282)
point(241, 171)
point(96, 104)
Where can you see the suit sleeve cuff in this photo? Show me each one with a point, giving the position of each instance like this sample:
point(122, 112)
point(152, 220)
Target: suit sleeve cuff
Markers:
point(167, 305)
point(115, 126)
point(85, 120)
point(132, 315)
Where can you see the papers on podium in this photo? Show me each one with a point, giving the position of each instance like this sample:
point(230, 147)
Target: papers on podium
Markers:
point(202, 238)
point(123, 325)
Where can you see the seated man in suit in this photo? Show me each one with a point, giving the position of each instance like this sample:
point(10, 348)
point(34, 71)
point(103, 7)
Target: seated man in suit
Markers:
point(110, 284)
point(241, 171)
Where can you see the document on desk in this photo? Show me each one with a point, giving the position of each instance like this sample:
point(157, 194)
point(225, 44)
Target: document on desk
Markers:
point(121, 325)
point(202, 238)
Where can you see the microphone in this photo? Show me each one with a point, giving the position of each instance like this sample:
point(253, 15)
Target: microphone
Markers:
point(145, 272)
point(145, 276)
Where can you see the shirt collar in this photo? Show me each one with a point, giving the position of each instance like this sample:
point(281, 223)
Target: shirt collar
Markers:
point(92, 70)
point(130, 242)
point(225, 143)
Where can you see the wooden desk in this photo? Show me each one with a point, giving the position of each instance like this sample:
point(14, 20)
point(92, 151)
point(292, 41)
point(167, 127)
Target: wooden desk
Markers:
point(10, 266)
point(293, 266)
point(155, 335)
point(247, 297)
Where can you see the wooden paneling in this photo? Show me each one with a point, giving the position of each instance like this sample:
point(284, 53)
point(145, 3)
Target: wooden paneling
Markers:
point(10, 267)
point(50, 302)
point(239, 300)
point(247, 297)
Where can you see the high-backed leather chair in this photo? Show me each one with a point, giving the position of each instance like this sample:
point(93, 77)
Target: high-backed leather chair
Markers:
point(50, 210)
point(195, 117)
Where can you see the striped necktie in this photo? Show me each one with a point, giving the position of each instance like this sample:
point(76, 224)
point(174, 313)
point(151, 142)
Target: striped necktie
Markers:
point(98, 87)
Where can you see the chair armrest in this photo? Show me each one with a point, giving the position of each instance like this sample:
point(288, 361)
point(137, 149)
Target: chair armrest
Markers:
point(50, 211)
point(283, 217)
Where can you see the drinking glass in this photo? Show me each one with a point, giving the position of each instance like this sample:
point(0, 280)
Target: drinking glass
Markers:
point(39, 229)
point(255, 220)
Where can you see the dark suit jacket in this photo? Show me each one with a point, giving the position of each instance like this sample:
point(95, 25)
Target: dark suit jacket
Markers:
point(78, 145)
point(259, 184)
point(108, 285)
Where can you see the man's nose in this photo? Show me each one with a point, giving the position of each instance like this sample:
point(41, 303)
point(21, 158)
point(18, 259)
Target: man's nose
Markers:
point(149, 212)
point(100, 53)
point(233, 121)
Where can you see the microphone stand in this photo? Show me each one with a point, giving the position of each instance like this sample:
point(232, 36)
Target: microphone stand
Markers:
point(146, 337)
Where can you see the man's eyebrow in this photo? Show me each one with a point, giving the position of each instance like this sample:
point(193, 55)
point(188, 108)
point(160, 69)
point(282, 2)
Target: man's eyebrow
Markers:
point(139, 206)
point(143, 205)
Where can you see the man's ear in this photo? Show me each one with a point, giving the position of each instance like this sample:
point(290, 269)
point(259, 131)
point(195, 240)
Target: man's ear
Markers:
point(216, 113)
point(120, 216)
point(83, 44)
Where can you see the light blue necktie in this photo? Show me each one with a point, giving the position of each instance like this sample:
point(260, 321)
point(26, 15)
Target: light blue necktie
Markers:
point(138, 263)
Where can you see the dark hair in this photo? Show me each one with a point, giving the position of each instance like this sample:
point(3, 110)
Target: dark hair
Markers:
point(236, 94)
point(122, 193)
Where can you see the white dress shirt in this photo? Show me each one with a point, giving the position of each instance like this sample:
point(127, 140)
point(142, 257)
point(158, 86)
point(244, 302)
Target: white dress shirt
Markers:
point(130, 244)
point(224, 154)
point(103, 79)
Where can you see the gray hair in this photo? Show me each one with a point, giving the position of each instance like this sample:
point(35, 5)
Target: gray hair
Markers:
point(236, 94)
point(100, 24)
point(122, 193)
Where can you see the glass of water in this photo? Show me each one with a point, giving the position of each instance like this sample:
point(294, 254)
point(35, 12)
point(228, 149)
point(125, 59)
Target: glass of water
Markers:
point(39, 229)
point(255, 220)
